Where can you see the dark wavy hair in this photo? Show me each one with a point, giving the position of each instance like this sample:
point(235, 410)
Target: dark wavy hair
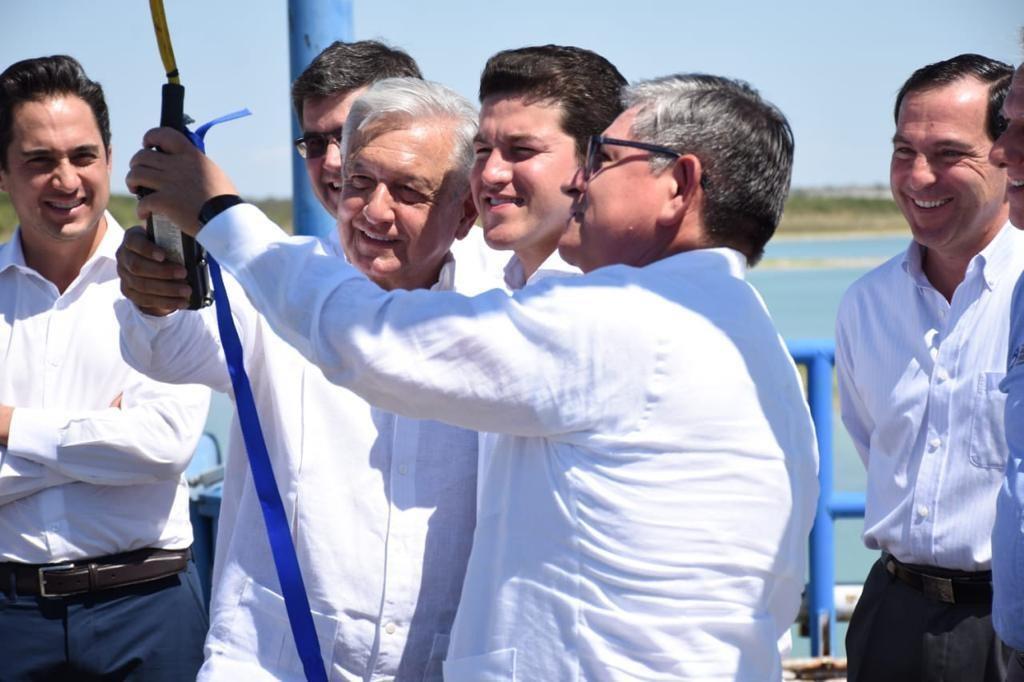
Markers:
point(343, 67)
point(33, 80)
point(990, 71)
point(587, 86)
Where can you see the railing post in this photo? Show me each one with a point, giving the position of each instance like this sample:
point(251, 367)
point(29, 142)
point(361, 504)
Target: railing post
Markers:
point(821, 612)
point(312, 26)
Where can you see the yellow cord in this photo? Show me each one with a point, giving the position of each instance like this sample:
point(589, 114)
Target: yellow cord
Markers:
point(163, 39)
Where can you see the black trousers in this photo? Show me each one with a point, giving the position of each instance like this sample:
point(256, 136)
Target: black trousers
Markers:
point(898, 634)
point(1016, 667)
point(150, 632)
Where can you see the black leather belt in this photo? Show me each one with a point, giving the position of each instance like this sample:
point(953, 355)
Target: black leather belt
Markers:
point(93, 575)
point(966, 588)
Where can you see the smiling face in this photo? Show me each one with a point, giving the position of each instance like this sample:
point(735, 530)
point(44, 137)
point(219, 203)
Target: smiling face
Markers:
point(400, 208)
point(1008, 150)
point(327, 115)
point(951, 195)
point(522, 158)
point(57, 174)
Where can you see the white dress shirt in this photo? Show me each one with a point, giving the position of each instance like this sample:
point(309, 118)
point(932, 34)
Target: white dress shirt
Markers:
point(78, 477)
point(647, 510)
point(381, 507)
point(919, 388)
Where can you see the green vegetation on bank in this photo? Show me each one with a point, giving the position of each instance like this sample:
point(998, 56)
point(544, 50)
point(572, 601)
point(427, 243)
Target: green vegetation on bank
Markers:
point(805, 214)
point(810, 213)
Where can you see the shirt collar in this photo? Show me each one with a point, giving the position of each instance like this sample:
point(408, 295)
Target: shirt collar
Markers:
point(12, 254)
point(515, 275)
point(446, 278)
point(734, 261)
point(992, 262)
point(996, 260)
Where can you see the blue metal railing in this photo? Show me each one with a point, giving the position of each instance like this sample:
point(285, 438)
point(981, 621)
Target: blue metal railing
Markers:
point(818, 356)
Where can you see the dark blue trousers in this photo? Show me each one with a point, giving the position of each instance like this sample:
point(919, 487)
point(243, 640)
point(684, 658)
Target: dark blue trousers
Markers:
point(152, 631)
point(897, 634)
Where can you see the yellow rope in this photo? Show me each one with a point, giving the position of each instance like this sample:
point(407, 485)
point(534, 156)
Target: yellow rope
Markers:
point(163, 39)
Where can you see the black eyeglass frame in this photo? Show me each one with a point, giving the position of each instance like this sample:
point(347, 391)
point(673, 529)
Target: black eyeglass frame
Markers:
point(302, 145)
point(594, 145)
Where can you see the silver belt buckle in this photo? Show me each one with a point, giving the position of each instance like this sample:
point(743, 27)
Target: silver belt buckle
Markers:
point(43, 570)
point(940, 589)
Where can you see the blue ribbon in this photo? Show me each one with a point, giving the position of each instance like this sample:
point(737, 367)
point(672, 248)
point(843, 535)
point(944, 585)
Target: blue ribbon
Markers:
point(278, 533)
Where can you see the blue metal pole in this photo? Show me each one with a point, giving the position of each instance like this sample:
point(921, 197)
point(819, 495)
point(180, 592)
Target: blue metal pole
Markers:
point(312, 26)
point(821, 608)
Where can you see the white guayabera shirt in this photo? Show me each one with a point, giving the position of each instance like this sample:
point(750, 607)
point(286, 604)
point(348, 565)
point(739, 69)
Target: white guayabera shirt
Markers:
point(919, 387)
point(647, 507)
point(381, 508)
point(78, 477)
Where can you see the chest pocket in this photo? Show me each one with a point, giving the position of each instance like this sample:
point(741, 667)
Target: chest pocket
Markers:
point(495, 666)
point(260, 626)
point(988, 436)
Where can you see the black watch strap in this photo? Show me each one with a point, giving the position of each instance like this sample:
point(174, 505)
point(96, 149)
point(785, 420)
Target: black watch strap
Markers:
point(213, 207)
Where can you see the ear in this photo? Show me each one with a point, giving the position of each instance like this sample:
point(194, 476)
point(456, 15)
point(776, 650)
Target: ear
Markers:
point(468, 216)
point(682, 180)
point(110, 159)
point(3, 179)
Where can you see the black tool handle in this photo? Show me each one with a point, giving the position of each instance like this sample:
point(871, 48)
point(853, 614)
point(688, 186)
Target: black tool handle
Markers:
point(180, 247)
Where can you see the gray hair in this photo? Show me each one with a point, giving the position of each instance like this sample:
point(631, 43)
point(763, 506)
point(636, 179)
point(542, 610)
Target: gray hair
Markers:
point(744, 143)
point(394, 103)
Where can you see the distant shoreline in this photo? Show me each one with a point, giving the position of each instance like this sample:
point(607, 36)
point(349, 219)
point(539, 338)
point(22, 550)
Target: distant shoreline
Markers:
point(839, 235)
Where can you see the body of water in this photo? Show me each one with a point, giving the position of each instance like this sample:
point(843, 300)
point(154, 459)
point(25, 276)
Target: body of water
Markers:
point(803, 296)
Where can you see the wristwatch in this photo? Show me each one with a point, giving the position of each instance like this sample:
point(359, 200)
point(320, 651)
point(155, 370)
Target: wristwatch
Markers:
point(213, 207)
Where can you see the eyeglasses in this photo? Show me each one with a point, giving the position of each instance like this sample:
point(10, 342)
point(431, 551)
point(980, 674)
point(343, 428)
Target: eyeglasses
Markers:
point(594, 160)
point(314, 145)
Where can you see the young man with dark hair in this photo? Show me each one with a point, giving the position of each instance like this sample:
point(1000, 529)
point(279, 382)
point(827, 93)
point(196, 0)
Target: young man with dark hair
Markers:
point(539, 106)
point(920, 352)
point(95, 569)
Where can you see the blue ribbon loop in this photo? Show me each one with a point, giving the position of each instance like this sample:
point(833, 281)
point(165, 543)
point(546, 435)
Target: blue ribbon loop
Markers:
point(278, 533)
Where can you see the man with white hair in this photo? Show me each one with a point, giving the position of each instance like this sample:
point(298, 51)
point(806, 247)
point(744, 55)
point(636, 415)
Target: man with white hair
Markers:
point(654, 481)
point(381, 506)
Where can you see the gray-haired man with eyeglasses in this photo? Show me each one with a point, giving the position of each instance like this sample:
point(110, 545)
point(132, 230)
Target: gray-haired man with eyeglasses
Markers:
point(646, 512)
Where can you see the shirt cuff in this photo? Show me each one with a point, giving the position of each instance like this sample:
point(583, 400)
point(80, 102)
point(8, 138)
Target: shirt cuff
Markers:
point(36, 433)
point(238, 235)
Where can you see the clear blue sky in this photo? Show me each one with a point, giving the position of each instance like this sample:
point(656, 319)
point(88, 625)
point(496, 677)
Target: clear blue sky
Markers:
point(832, 67)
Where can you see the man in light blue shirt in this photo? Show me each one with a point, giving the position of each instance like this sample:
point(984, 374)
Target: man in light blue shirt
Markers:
point(919, 357)
point(1008, 533)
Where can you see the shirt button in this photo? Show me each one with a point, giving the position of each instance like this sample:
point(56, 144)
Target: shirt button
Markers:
point(934, 443)
point(941, 375)
point(403, 469)
point(922, 510)
point(389, 628)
